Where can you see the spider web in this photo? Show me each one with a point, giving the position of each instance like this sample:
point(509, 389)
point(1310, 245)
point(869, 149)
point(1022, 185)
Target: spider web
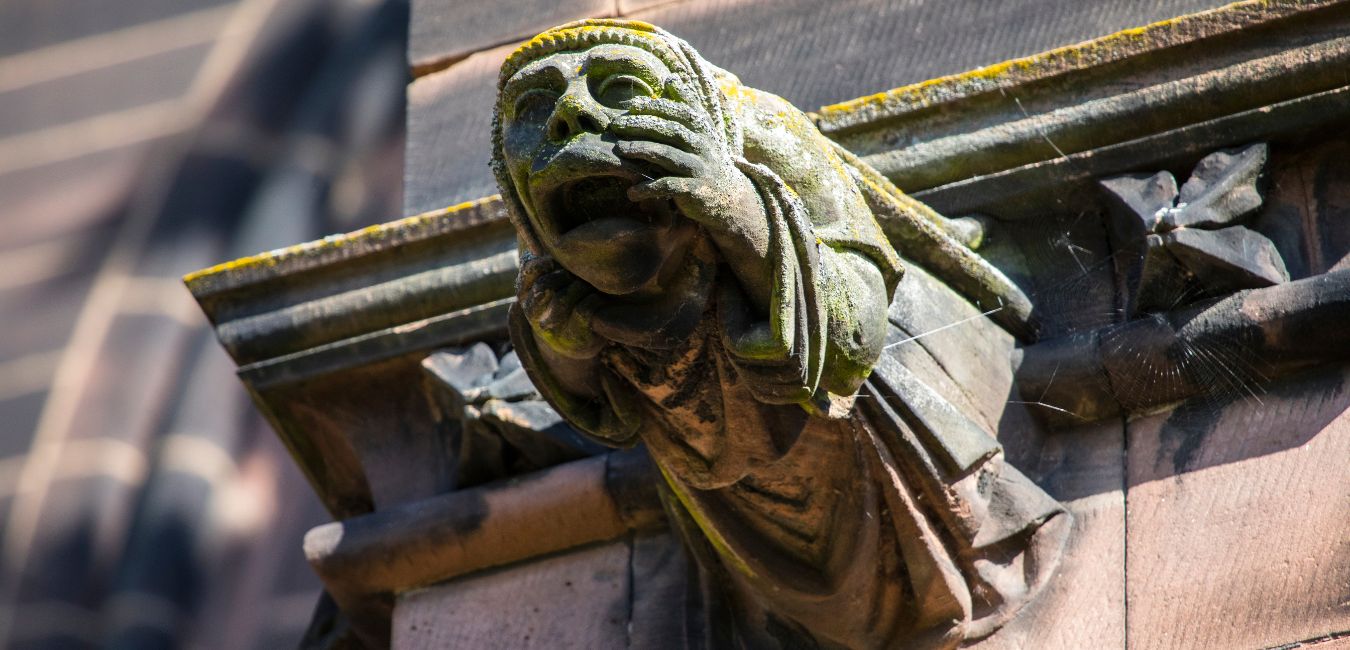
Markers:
point(1078, 286)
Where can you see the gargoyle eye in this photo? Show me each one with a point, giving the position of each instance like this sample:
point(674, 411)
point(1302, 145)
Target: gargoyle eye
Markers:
point(535, 104)
point(619, 88)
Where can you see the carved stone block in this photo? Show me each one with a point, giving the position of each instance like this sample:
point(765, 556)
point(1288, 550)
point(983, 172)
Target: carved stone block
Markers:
point(706, 274)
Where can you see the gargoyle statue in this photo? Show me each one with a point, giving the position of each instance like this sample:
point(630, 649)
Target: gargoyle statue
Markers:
point(702, 271)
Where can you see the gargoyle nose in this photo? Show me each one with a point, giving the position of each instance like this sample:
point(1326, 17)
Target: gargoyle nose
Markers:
point(576, 113)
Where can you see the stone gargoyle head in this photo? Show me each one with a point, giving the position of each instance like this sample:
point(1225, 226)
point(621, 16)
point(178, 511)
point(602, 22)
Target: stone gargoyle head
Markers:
point(569, 134)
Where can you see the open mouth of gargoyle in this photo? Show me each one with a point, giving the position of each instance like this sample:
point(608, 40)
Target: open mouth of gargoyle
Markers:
point(600, 198)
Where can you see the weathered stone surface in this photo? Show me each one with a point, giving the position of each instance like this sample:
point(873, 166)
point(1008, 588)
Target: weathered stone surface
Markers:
point(493, 423)
point(355, 441)
point(1228, 260)
point(1217, 348)
point(813, 53)
point(442, 277)
point(1064, 261)
point(449, 134)
point(1237, 522)
point(573, 600)
point(1136, 101)
point(661, 586)
point(808, 52)
point(971, 351)
point(445, 30)
point(367, 560)
point(1084, 604)
point(1221, 190)
point(1176, 247)
point(1307, 213)
point(851, 41)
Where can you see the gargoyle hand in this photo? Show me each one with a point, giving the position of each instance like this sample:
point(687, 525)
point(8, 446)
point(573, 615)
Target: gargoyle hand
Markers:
point(554, 302)
point(702, 179)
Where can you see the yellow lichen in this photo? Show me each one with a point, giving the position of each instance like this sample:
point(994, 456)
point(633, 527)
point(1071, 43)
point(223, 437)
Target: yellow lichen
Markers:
point(1116, 46)
point(710, 532)
point(377, 232)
